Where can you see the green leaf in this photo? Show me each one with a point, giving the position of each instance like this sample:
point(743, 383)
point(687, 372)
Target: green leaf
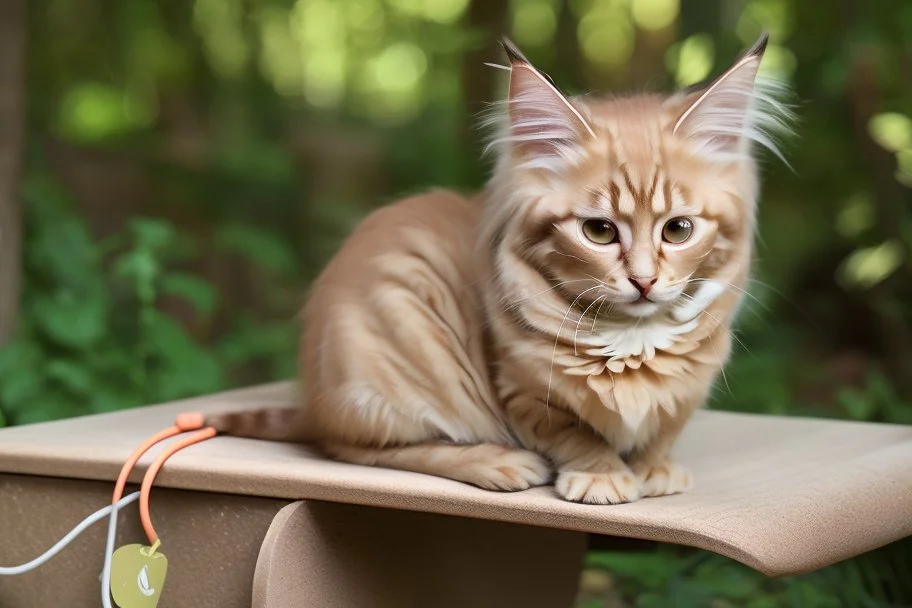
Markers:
point(52, 405)
point(110, 398)
point(73, 377)
point(259, 246)
point(651, 570)
point(2, 419)
point(858, 405)
point(18, 357)
point(182, 368)
point(249, 340)
point(199, 292)
point(71, 319)
point(139, 266)
point(61, 251)
point(152, 233)
point(258, 161)
point(18, 391)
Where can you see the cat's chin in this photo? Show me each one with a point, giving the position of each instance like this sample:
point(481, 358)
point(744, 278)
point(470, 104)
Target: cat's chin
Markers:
point(641, 309)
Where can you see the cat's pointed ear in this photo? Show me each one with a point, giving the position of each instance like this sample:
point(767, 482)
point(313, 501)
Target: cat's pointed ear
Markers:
point(542, 121)
point(735, 109)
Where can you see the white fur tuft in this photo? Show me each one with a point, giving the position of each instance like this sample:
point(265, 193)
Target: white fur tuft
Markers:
point(738, 110)
point(536, 126)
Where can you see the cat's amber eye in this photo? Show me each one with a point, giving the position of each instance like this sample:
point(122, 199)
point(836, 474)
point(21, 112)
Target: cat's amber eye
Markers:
point(600, 232)
point(677, 230)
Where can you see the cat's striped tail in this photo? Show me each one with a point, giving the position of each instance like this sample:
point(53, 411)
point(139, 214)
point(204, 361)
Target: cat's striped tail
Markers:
point(272, 423)
point(486, 465)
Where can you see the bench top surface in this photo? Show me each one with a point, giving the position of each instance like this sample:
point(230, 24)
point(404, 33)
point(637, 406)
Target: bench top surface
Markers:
point(783, 495)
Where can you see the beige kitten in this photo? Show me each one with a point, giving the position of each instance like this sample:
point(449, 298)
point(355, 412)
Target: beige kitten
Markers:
point(568, 320)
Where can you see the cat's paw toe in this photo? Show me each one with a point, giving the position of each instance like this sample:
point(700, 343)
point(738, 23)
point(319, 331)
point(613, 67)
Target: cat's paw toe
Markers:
point(612, 488)
point(664, 479)
point(515, 470)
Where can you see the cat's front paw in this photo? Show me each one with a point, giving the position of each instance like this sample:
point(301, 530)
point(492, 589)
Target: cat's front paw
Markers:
point(509, 470)
point(612, 488)
point(663, 479)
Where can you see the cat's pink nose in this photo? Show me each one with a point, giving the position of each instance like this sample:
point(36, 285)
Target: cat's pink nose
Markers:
point(643, 285)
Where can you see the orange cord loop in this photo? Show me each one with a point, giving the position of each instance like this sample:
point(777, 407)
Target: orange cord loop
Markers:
point(187, 421)
point(206, 433)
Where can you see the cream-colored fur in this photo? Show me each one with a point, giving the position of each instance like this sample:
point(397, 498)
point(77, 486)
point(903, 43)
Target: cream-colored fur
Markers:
point(491, 341)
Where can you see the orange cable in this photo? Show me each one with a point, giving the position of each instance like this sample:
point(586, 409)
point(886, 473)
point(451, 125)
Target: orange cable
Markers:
point(206, 433)
point(136, 455)
point(184, 422)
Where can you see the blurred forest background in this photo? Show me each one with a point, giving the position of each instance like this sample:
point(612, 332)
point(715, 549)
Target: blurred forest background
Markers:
point(173, 173)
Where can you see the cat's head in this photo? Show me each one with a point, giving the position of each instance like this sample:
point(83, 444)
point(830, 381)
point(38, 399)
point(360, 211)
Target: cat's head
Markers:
point(630, 201)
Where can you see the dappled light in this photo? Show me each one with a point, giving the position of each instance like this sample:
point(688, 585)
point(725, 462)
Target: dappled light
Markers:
point(867, 267)
point(392, 81)
point(779, 62)
point(776, 17)
point(441, 11)
point(691, 60)
point(892, 130)
point(654, 14)
point(856, 216)
point(94, 111)
point(220, 25)
point(534, 21)
point(606, 34)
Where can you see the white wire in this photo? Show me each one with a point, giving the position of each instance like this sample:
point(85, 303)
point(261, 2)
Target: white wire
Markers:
point(109, 552)
point(66, 540)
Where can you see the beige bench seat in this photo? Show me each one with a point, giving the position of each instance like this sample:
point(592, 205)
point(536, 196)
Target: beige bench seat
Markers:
point(278, 524)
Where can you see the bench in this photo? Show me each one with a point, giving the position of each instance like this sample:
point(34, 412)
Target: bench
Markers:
point(254, 523)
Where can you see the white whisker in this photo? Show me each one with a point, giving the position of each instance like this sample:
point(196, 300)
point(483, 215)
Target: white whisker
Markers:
point(557, 340)
point(598, 310)
point(567, 255)
point(729, 331)
point(583, 316)
point(541, 293)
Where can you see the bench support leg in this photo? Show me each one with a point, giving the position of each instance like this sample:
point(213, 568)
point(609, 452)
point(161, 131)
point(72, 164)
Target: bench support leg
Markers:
point(329, 555)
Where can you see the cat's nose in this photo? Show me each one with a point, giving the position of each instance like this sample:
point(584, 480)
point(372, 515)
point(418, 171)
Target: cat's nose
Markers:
point(643, 285)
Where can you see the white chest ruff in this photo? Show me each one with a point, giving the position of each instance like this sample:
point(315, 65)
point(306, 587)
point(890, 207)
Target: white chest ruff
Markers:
point(612, 346)
point(615, 347)
point(630, 346)
point(640, 340)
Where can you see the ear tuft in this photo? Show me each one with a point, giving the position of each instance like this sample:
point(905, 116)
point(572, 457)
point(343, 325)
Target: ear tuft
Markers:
point(759, 47)
point(513, 53)
point(736, 110)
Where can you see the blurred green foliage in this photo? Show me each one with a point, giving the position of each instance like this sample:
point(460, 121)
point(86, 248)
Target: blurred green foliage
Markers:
point(697, 579)
point(192, 165)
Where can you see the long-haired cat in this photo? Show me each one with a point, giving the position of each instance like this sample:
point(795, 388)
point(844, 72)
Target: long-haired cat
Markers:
point(568, 320)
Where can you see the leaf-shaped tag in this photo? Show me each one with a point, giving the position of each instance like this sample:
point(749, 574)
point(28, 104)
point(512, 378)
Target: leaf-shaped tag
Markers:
point(137, 576)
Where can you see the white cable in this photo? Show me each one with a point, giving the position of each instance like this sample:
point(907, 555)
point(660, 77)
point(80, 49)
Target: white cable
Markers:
point(66, 540)
point(109, 552)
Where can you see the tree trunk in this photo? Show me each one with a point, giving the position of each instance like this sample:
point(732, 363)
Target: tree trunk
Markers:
point(12, 127)
point(488, 20)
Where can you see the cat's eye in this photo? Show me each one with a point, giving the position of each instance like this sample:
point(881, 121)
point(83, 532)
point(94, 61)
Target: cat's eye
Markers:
point(677, 230)
point(600, 232)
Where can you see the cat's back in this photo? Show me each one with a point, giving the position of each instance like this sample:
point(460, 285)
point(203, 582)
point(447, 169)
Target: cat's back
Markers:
point(393, 343)
point(434, 230)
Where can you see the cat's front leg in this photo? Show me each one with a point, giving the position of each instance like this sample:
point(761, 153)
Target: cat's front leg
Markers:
point(589, 470)
point(657, 474)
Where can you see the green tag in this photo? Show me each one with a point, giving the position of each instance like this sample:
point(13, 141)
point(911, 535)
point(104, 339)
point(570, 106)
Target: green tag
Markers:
point(137, 576)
